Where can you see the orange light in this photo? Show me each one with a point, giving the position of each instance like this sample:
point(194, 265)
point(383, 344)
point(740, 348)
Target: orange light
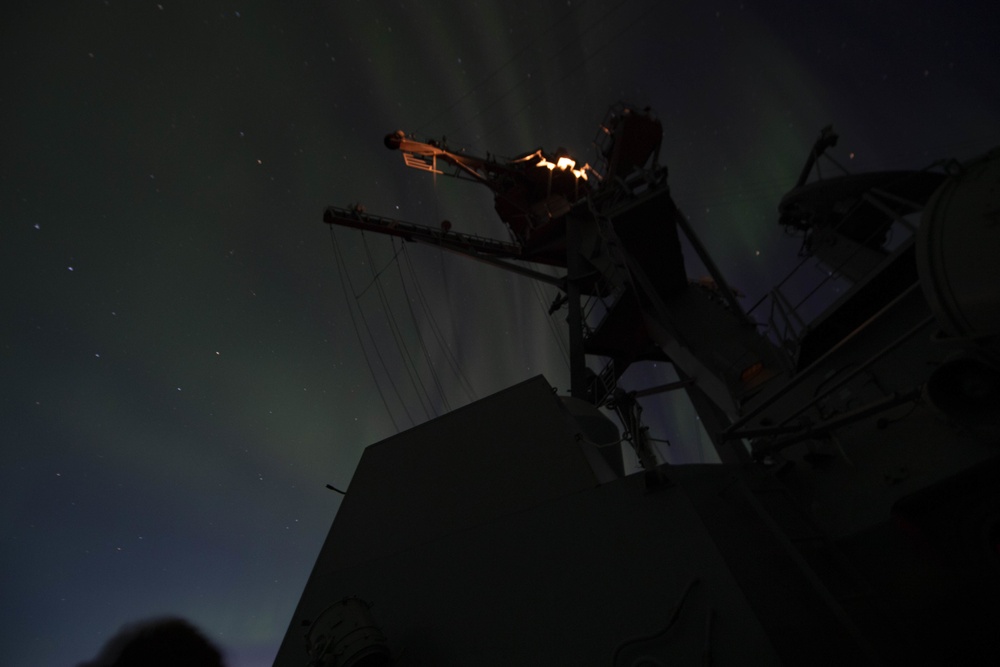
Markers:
point(751, 371)
point(563, 164)
point(545, 163)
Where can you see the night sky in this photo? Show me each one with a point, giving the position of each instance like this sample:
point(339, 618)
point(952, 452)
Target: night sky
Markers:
point(180, 373)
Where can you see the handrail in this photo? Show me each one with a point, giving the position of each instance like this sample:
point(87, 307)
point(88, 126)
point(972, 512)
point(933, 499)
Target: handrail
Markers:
point(731, 431)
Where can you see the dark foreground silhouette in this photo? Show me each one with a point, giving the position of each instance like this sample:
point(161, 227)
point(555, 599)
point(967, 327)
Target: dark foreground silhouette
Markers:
point(158, 643)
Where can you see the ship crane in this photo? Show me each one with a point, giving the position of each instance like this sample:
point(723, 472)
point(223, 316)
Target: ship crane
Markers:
point(862, 524)
point(616, 232)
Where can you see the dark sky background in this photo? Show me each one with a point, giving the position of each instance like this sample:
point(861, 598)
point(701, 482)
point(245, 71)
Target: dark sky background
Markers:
point(180, 371)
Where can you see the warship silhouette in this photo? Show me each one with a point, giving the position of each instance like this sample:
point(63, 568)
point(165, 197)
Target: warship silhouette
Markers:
point(854, 514)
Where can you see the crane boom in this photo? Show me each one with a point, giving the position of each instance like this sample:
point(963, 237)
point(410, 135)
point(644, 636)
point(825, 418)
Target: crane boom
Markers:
point(481, 248)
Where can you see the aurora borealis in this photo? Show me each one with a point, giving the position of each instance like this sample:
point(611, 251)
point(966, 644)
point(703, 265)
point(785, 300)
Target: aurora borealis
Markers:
point(180, 373)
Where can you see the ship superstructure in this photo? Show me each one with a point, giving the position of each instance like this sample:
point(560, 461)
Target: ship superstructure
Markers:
point(855, 515)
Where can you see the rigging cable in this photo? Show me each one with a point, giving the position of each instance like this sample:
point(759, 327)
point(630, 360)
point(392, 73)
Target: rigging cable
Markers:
point(537, 289)
point(436, 330)
point(398, 336)
point(342, 272)
point(420, 337)
point(380, 272)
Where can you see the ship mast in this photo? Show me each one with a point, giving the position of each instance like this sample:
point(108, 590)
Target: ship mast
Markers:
point(616, 233)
